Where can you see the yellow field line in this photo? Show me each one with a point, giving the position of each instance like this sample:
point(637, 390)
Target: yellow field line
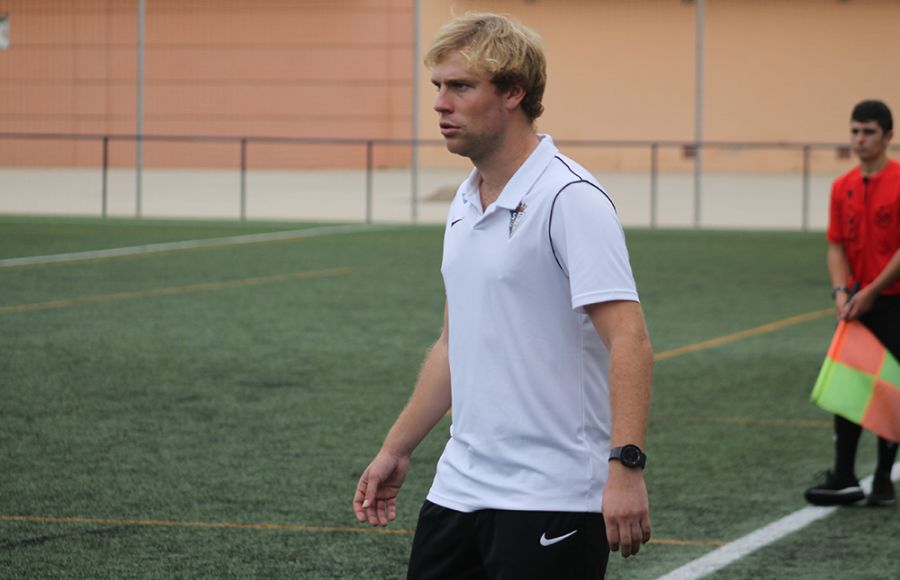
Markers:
point(189, 524)
point(204, 287)
point(277, 527)
point(755, 331)
point(665, 542)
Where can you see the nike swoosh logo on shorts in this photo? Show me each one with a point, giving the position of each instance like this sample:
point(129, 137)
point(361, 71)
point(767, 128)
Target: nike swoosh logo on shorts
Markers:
point(545, 541)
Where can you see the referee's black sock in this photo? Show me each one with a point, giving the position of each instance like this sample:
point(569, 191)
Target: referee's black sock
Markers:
point(846, 440)
point(887, 453)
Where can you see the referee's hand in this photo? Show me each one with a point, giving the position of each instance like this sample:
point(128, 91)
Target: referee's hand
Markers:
point(859, 304)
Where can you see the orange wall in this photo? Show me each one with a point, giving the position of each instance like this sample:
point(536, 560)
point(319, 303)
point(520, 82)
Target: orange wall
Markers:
point(776, 70)
point(234, 67)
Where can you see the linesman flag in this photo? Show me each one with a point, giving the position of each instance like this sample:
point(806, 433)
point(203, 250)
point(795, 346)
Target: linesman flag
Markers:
point(860, 380)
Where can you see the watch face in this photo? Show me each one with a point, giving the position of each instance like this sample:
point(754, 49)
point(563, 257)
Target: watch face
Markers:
point(631, 456)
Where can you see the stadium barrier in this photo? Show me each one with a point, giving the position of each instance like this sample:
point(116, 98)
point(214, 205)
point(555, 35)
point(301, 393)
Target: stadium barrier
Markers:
point(652, 159)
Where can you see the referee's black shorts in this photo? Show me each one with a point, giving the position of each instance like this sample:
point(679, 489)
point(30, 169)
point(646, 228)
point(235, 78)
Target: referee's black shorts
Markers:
point(507, 545)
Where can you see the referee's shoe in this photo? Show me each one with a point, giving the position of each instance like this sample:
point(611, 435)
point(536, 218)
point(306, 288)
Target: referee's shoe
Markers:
point(882, 493)
point(835, 490)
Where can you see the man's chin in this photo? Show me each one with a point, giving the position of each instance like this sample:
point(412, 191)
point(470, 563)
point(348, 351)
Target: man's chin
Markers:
point(455, 147)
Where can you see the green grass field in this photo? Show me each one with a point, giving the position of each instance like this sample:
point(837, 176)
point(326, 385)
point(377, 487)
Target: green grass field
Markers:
point(206, 413)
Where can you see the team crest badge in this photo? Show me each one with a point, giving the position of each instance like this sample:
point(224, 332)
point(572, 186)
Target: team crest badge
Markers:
point(515, 218)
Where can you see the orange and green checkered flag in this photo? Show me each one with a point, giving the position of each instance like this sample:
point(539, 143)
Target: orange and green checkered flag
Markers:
point(860, 380)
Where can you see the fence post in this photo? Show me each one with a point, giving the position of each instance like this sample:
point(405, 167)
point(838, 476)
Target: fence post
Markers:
point(105, 176)
point(654, 177)
point(414, 180)
point(806, 169)
point(243, 178)
point(698, 184)
point(369, 169)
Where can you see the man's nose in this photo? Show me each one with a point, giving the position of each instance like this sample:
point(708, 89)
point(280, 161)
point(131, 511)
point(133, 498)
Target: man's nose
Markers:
point(441, 103)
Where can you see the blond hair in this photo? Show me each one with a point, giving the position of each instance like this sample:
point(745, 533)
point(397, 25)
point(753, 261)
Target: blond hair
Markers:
point(507, 50)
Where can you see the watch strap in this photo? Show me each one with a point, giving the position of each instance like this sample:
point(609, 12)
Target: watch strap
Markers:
point(629, 455)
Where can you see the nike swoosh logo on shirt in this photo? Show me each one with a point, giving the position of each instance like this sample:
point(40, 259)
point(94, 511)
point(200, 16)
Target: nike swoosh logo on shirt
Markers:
point(545, 541)
point(454, 222)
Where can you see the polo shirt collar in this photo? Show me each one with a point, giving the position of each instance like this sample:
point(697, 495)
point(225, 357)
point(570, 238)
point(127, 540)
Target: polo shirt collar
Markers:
point(521, 181)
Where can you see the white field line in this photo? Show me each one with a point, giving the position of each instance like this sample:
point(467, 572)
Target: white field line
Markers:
point(188, 245)
point(733, 551)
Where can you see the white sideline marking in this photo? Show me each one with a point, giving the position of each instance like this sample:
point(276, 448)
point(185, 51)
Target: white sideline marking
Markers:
point(733, 551)
point(188, 244)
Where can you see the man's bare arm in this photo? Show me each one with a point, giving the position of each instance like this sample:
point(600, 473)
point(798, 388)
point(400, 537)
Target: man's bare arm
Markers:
point(375, 499)
point(626, 508)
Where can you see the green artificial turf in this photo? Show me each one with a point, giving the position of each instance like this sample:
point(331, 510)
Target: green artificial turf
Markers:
point(218, 430)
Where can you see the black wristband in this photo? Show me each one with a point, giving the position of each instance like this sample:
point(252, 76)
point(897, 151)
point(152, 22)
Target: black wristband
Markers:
point(837, 289)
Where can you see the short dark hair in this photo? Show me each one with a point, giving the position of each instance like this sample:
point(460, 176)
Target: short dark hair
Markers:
point(876, 111)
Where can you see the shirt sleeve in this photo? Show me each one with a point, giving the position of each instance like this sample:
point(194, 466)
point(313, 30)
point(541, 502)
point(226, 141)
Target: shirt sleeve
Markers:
point(589, 244)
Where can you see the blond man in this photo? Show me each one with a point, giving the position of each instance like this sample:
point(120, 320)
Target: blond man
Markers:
point(544, 354)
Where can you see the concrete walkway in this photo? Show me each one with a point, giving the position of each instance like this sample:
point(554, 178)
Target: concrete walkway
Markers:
point(747, 201)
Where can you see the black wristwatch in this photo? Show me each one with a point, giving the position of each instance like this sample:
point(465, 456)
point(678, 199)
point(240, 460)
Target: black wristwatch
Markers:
point(629, 455)
point(837, 289)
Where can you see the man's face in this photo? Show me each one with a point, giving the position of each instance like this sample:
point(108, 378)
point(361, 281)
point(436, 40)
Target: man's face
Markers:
point(472, 112)
point(868, 140)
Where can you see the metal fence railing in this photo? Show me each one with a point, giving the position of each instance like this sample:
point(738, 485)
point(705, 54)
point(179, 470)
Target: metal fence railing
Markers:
point(652, 162)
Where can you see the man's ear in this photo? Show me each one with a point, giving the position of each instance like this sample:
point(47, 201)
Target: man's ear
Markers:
point(513, 96)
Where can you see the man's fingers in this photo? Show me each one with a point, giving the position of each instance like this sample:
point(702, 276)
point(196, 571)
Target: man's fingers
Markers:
point(392, 510)
point(370, 504)
point(359, 500)
point(612, 535)
point(630, 537)
point(646, 528)
point(627, 535)
point(637, 536)
point(851, 311)
point(358, 507)
point(626, 539)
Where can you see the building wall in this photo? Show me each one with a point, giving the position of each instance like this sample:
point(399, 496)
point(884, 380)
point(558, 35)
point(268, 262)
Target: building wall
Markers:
point(339, 69)
point(775, 70)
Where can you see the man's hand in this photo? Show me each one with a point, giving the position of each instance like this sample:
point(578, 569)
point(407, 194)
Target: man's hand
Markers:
point(859, 304)
point(626, 509)
point(840, 302)
point(375, 499)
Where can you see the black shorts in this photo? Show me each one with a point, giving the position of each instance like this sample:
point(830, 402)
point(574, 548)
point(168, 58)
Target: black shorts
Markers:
point(507, 545)
point(884, 322)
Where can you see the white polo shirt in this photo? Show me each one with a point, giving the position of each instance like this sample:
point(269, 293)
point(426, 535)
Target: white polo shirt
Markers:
point(531, 411)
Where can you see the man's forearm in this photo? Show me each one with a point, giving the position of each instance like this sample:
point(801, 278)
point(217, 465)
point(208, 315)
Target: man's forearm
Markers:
point(838, 265)
point(630, 377)
point(429, 402)
point(621, 327)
